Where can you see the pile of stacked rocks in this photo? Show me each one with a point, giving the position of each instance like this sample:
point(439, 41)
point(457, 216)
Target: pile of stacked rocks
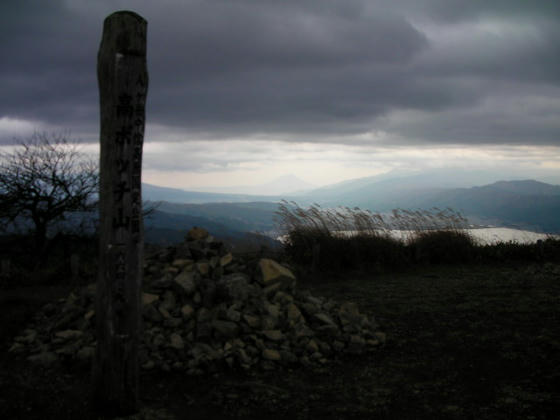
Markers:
point(203, 309)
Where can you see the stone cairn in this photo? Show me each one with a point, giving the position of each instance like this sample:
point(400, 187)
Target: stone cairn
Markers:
point(203, 310)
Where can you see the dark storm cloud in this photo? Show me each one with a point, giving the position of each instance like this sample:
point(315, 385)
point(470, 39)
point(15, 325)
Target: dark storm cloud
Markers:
point(245, 67)
point(453, 11)
point(47, 70)
point(319, 69)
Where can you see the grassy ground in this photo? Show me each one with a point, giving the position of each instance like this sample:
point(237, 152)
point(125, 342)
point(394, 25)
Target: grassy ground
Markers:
point(463, 342)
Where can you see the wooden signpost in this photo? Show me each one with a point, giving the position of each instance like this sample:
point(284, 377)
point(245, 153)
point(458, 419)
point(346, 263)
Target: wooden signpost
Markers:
point(123, 82)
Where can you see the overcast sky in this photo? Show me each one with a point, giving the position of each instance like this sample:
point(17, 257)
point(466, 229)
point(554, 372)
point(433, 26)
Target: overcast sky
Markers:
point(244, 91)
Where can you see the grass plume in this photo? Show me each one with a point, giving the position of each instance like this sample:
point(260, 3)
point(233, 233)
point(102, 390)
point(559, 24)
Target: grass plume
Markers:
point(352, 238)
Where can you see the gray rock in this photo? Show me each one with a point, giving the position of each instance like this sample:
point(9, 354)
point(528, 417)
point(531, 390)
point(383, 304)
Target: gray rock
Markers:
point(271, 354)
point(88, 316)
point(207, 290)
point(69, 334)
point(324, 318)
point(204, 315)
point(226, 260)
point(152, 314)
point(85, 353)
point(269, 322)
point(293, 313)
point(270, 291)
point(158, 340)
point(187, 311)
point(243, 357)
point(202, 351)
point(309, 309)
point(315, 301)
point(302, 330)
point(203, 330)
point(252, 321)
point(163, 282)
point(329, 330)
point(46, 358)
point(176, 342)
point(270, 272)
point(381, 337)
point(182, 263)
point(186, 282)
point(197, 234)
point(373, 343)
point(273, 335)
point(148, 365)
point(168, 301)
point(203, 267)
point(356, 344)
point(173, 323)
point(29, 337)
point(233, 315)
point(312, 346)
point(164, 312)
point(149, 298)
point(69, 349)
point(272, 309)
point(234, 287)
point(283, 298)
point(198, 250)
point(288, 356)
point(17, 347)
point(324, 347)
point(225, 329)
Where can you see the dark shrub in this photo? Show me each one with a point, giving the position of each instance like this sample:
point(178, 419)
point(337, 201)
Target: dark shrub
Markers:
point(344, 238)
point(547, 250)
point(442, 246)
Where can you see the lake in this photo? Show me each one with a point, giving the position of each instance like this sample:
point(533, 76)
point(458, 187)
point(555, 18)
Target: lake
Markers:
point(493, 235)
point(485, 236)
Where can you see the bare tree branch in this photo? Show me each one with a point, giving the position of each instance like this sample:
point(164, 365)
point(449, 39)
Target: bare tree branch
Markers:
point(45, 178)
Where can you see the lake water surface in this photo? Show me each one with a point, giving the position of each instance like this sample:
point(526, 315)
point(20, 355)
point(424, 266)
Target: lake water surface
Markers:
point(485, 236)
point(493, 235)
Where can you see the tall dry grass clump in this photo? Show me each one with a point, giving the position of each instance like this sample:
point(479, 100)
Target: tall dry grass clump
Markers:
point(436, 235)
point(347, 238)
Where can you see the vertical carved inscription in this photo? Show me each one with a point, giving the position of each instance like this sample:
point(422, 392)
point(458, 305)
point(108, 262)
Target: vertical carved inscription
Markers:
point(123, 83)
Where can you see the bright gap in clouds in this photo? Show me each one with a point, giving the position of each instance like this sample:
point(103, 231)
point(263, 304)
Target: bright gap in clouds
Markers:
point(221, 165)
point(229, 163)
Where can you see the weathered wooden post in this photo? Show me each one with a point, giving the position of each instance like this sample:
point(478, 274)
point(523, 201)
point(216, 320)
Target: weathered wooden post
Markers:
point(123, 83)
point(75, 267)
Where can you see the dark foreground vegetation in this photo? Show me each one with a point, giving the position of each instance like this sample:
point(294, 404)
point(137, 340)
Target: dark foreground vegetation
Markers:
point(472, 332)
point(353, 239)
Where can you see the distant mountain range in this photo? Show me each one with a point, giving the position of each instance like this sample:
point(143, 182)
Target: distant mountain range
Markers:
point(176, 195)
point(528, 204)
point(283, 185)
point(241, 217)
point(525, 204)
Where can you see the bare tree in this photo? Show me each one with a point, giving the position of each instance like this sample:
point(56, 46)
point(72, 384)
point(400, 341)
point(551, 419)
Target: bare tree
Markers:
point(43, 179)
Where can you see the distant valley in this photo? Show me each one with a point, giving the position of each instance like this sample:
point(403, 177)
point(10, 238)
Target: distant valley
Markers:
point(524, 204)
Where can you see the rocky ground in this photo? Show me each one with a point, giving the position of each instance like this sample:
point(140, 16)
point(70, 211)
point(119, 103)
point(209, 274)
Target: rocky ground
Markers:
point(205, 311)
point(461, 342)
